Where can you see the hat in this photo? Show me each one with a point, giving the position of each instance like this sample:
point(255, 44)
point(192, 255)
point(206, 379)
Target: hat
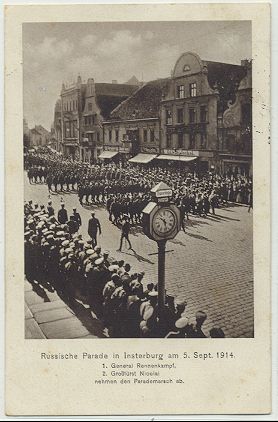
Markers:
point(60, 233)
point(99, 261)
point(181, 322)
point(89, 251)
point(65, 243)
point(106, 253)
point(93, 213)
point(180, 302)
point(113, 268)
point(68, 250)
point(97, 248)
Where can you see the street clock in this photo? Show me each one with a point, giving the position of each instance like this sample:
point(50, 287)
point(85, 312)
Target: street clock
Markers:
point(161, 222)
point(161, 219)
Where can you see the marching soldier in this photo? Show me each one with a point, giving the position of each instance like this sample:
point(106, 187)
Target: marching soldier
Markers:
point(125, 232)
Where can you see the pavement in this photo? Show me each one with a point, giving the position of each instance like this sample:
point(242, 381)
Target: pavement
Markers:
point(210, 265)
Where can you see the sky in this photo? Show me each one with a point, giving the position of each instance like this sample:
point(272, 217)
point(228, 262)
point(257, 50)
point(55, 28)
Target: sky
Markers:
point(54, 53)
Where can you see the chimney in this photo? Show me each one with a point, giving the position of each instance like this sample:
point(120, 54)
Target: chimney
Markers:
point(245, 63)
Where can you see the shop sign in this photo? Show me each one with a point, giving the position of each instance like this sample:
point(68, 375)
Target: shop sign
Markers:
point(153, 150)
point(183, 152)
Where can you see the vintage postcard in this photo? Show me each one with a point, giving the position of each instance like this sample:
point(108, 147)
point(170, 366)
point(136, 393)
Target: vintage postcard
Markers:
point(137, 209)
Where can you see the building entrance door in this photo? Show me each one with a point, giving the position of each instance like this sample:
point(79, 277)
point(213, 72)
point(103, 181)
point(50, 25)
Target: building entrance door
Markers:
point(133, 137)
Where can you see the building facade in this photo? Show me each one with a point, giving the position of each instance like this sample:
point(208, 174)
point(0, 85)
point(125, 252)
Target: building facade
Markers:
point(84, 106)
point(235, 129)
point(26, 134)
point(57, 127)
point(194, 108)
point(39, 136)
point(133, 128)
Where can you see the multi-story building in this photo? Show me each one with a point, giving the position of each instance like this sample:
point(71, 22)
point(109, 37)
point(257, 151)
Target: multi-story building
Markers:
point(26, 134)
point(194, 108)
point(133, 128)
point(39, 136)
point(83, 108)
point(235, 129)
point(57, 127)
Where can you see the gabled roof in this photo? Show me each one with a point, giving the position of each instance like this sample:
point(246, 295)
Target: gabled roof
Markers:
point(109, 96)
point(143, 103)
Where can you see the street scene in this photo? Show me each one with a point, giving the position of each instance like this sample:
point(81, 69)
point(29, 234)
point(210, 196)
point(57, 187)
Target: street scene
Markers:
point(138, 212)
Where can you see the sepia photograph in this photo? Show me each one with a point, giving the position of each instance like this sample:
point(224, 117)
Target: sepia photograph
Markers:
point(138, 179)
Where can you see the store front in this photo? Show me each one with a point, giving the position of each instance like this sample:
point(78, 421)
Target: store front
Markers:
point(236, 164)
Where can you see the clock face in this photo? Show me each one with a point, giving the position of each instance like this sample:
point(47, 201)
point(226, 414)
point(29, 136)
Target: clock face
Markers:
point(164, 221)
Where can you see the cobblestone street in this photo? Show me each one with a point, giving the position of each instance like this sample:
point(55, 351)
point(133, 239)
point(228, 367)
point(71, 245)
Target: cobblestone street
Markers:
point(210, 265)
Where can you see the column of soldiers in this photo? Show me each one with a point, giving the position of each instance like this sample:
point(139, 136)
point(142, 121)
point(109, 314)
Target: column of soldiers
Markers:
point(106, 184)
point(57, 257)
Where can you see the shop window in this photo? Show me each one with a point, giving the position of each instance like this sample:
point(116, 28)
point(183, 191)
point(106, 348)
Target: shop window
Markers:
point(145, 135)
point(169, 141)
point(180, 91)
point(180, 115)
point(193, 89)
point(168, 117)
point(180, 140)
point(192, 115)
point(203, 114)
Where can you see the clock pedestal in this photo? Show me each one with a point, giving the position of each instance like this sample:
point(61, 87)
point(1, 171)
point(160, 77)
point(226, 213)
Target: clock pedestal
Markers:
point(161, 222)
point(161, 277)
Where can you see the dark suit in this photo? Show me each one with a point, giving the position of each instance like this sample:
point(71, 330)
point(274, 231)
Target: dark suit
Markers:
point(93, 227)
point(62, 216)
point(77, 218)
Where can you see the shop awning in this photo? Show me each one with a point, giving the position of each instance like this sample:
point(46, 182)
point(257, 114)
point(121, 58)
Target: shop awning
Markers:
point(176, 158)
point(142, 158)
point(108, 154)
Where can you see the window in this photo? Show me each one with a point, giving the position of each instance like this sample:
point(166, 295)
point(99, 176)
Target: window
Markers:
point(152, 135)
point(90, 106)
point(192, 115)
point(191, 140)
point(117, 135)
point(180, 115)
point(168, 140)
point(180, 140)
point(203, 114)
point(180, 91)
point(110, 135)
point(168, 117)
point(193, 89)
point(203, 140)
point(145, 135)
point(98, 137)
